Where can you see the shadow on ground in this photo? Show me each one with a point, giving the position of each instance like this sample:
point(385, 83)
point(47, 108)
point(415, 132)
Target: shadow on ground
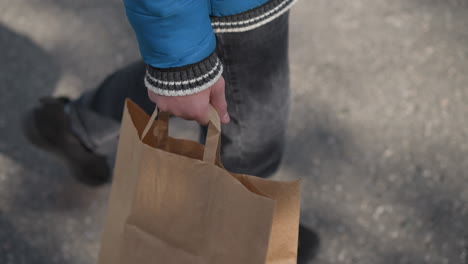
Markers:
point(404, 208)
point(36, 189)
point(14, 247)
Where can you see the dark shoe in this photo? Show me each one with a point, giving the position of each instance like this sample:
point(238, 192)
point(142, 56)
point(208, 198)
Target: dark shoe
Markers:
point(48, 127)
point(309, 244)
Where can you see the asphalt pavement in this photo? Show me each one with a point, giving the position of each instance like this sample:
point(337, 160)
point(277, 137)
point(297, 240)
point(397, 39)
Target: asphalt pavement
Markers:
point(378, 128)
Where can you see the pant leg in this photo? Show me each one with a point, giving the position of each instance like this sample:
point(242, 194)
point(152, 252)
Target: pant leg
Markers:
point(257, 91)
point(109, 98)
point(95, 116)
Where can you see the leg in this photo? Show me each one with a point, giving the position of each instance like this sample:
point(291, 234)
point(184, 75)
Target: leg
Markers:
point(109, 98)
point(84, 132)
point(257, 91)
point(95, 116)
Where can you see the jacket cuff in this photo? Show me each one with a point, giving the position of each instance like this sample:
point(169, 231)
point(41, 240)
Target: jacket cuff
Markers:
point(251, 19)
point(185, 80)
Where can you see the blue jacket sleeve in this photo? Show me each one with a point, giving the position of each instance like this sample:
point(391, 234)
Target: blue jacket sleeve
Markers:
point(177, 43)
point(172, 33)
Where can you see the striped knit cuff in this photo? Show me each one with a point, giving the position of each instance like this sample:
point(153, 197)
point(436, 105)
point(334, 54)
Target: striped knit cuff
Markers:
point(184, 80)
point(253, 18)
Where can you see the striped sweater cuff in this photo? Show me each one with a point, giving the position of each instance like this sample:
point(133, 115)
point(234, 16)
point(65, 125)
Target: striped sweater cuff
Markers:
point(184, 80)
point(253, 18)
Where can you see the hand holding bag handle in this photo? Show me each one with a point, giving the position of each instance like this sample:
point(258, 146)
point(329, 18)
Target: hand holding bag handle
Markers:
point(213, 137)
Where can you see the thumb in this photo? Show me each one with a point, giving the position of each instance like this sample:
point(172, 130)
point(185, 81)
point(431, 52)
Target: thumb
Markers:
point(218, 100)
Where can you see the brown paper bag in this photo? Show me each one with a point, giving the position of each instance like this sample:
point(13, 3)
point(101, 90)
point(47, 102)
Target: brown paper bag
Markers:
point(172, 202)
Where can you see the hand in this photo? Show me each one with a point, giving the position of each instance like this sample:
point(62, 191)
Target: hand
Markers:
point(195, 106)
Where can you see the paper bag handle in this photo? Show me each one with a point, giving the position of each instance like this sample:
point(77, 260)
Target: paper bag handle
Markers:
point(160, 130)
point(213, 137)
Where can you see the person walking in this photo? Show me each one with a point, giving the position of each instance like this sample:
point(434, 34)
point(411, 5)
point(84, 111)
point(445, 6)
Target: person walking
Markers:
point(231, 54)
point(228, 53)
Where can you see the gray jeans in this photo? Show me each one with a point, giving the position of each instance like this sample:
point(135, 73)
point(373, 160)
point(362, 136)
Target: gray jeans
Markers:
point(256, 71)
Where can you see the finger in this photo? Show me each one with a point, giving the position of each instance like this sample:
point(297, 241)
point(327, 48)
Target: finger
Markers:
point(161, 104)
point(218, 100)
point(195, 112)
point(152, 96)
point(201, 115)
